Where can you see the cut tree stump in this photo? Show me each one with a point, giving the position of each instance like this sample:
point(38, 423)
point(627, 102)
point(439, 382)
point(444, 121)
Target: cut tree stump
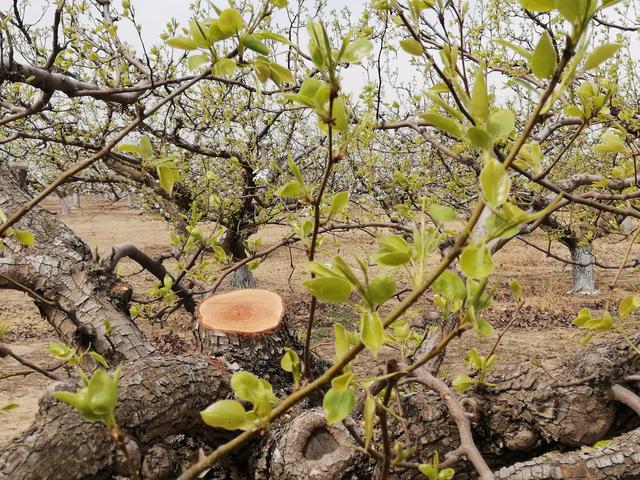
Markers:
point(247, 329)
point(307, 447)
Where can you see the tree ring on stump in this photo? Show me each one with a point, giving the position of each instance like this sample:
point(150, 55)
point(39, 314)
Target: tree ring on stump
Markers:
point(246, 311)
point(247, 329)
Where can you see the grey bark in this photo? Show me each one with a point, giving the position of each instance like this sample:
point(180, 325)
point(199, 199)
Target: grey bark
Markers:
point(242, 278)
point(582, 269)
point(306, 447)
point(64, 205)
point(51, 81)
point(76, 200)
point(59, 272)
point(159, 397)
point(618, 460)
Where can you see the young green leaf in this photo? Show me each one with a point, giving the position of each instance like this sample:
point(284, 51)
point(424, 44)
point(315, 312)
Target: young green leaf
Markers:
point(338, 203)
point(450, 286)
point(537, 5)
point(369, 414)
point(446, 124)
point(196, 61)
point(479, 97)
point(291, 189)
point(25, 237)
point(484, 328)
point(146, 149)
point(227, 414)
point(340, 120)
point(516, 288)
point(476, 261)
point(544, 59)
point(583, 317)
point(501, 123)
point(342, 340)
point(166, 177)
point(462, 382)
point(280, 74)
point(371, 330)
point(99, 359)
point(224, 67)
point(628, 305)
point(230, 21)
point(380, 289)
point(8, 407)
point(442, 213)
point(412, 47)
point(495, 183)
point(601, 55)
point(338, 404)
point(332, 290)
point(253, 43)
point(519, 50)
point(182, 43)
point(61, 352)
point(479, 138)
point(356, 50)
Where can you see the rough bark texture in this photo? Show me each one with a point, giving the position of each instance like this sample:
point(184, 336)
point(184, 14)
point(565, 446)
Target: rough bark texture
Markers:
point(618, 460)
point(257, 353)
point(76, 200)
point(60, 274)
point(582, 269)
point(64, 205)
point(159, 397)
point(242, 278)
point(306, 447)
point(560, 403)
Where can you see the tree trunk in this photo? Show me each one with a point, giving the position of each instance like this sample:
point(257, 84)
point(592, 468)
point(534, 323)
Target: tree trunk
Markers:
point(618, 460)
point(64, 205)
point(76, 200)
point(559, 404)
point(306, 447)
point(582, 269)
point(59, 273)
point(159, 397)
point(242, 278)
point(233, 244)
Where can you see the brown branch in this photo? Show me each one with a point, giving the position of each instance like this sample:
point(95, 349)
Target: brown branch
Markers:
point(626, 396)
point(22, 211)
point(6, 351)
point(118, 252)
point(467, 444)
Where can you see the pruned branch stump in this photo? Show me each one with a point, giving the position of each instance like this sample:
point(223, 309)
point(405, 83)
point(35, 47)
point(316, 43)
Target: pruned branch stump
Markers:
point(247, 329)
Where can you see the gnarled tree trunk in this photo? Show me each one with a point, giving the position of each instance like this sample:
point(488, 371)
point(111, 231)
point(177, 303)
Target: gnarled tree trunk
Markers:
point(60, 274)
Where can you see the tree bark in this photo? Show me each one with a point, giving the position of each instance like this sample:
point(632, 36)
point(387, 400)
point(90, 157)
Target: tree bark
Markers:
point(159, 397)
point(306, 447)
point(618, 460)
point(582, 269)
point(64, 205)
point(76, 200)
point(242, 278)
point(59, 272)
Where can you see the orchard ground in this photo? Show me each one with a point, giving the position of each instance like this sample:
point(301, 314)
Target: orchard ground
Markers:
point(542, 330)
